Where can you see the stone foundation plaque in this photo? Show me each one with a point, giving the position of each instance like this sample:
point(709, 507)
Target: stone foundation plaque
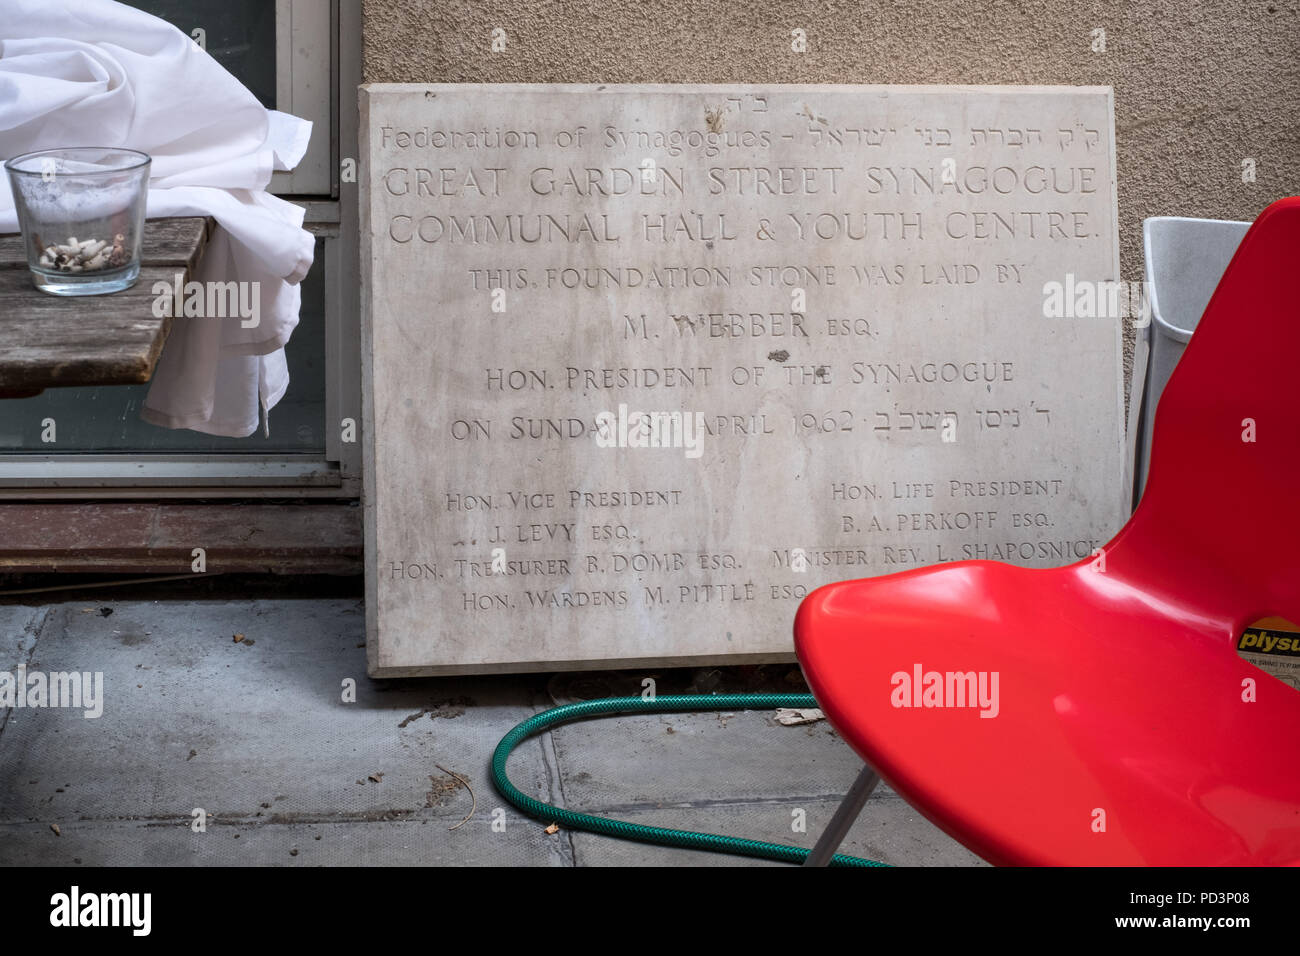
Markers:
point(644, 365)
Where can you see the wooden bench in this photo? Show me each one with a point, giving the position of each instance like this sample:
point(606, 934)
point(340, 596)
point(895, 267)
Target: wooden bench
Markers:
point(49, 341)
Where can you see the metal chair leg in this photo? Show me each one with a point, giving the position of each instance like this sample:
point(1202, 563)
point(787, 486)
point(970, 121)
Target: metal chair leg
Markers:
point(843, 819)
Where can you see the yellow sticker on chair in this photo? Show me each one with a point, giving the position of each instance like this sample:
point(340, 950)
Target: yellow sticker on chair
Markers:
point(1273, 645)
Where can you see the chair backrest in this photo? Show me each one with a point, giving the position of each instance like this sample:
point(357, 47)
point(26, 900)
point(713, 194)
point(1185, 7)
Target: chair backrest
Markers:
point(1219, 522)
point(1185, 259)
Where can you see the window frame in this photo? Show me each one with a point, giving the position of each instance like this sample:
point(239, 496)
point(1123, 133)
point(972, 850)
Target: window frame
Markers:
point(323, 41)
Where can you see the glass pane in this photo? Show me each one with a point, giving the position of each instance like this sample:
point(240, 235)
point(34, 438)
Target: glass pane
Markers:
point(107, 418)
point(240, 35)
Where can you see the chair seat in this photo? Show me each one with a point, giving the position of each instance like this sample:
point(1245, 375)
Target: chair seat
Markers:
point(1118, 733)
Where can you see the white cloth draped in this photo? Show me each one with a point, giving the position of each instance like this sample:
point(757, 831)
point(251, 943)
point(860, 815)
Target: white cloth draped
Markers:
point(98, 73)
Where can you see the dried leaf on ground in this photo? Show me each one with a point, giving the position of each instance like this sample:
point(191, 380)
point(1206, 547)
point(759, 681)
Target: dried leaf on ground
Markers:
point(794, 716)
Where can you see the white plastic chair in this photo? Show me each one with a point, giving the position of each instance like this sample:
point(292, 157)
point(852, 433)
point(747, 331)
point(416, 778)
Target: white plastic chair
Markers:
point(1185, 259)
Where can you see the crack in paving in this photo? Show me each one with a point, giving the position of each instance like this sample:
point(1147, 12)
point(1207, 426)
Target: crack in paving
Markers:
point(422, 814)
point(34, 626)
point(728, 802)
point(244, 820)
point(555, 790)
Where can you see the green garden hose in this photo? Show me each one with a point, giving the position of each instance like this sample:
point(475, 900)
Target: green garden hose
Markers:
point(683, 839)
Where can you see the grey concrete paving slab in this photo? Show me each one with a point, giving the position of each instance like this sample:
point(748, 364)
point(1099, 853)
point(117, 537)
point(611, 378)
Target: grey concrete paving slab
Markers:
point(257, 734)
point(255, 729)
point(409, 842)
point(729, 755)
point(888, 830)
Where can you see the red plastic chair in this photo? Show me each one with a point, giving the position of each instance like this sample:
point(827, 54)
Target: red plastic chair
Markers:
point(1122, 734)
